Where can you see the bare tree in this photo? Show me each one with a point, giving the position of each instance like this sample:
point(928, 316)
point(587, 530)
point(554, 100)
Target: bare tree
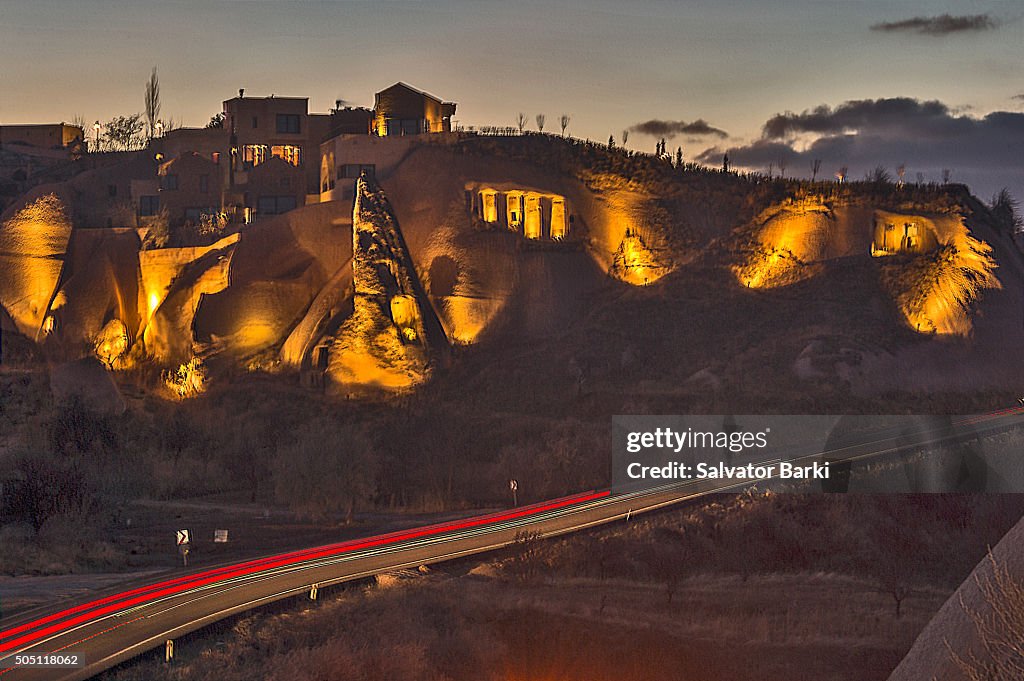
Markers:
point(625, 137)
point(124, 133)
point(152, 103)
point(879, 175)
point(541, 119)
point(521, 121)
point(782, 168)
point(815, 167)
point(1006, 211)
point(947, 175)
point(564, 121)
point(901, 171)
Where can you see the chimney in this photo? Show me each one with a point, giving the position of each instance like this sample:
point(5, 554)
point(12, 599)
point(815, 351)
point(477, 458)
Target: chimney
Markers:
point(241, 92)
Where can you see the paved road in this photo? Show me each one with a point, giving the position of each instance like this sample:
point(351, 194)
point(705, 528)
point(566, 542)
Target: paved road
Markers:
point(110, 629)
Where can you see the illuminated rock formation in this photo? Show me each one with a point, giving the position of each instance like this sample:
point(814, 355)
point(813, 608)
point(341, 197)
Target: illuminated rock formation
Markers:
point(33, 245)
point(788, 238)
point(310, 329)
point(388, 341)
point(278, 270)
point(169, 334)
point(936, 292)
point(530, 213)
point(635, 263)
point(933, 268)
point(100, 284)
point(112, 343)
point(896, 233)
point(943, 270)
point(160, 267)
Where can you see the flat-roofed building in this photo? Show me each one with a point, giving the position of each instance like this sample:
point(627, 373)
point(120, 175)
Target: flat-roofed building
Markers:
point(44, 136)
point(261, 128)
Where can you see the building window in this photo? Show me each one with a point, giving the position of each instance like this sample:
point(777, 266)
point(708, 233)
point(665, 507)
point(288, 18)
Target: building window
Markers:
point(396, 127)
point(169, 182)
point(290, 153)
point(275, 205)
point(193, 215)
point(255, 122)
point(149, 206)
point(204, 184)
point(111, 190)
point(253, 155)
point(352, 171)
point(289, 123)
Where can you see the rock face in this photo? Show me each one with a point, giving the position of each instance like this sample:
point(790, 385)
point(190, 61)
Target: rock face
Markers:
point(635, 263)
point(33, 244)
point(169, 335)
point(952, 630)
point(936, 291)
point(390, 340)
point(932, 266)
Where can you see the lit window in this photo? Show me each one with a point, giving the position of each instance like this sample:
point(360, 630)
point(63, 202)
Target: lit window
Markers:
point(253, 155)
point(290, 153)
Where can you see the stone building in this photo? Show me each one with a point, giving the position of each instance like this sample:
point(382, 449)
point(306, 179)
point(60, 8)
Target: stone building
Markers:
point(261, 128)
point(190, 186)
point(44, 136)
point(402, 110)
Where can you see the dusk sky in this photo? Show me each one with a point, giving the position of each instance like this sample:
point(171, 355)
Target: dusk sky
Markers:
point(610, 65)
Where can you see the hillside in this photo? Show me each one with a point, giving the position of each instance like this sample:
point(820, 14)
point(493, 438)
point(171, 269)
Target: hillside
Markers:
point(863, 287)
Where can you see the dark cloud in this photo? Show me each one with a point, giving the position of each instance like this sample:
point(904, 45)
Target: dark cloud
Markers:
point(895, 113)
point(943, 24)
point(1018, 97)
point(670, 129)
point(926, 136)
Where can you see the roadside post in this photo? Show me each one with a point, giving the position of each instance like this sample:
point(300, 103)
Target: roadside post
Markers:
point(184, 539)
point(168, 650)
point(514, 486)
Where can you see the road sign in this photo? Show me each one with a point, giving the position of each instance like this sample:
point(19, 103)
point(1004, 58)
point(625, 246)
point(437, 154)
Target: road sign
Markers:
point(513, 485)
point(220, 536)
point(184, 537)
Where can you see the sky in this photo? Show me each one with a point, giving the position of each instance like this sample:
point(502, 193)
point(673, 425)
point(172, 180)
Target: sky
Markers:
point(934, 84)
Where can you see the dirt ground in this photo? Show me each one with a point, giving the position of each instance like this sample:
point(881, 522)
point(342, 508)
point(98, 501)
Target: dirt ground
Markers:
point(144, 531)
point(482, 626)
